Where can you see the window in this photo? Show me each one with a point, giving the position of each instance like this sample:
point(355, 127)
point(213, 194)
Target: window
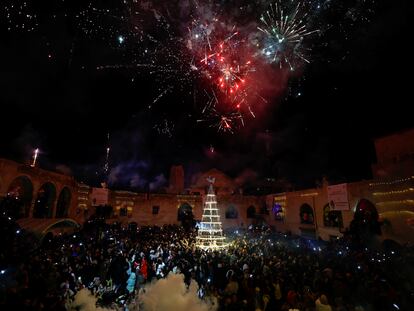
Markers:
point(251, 212)
point(231, 212)
point(306, 214)
point(123, 211)
point(331, 218)
point(155, 210)
point(264, 210)
point(277, 211)
point(278, 208)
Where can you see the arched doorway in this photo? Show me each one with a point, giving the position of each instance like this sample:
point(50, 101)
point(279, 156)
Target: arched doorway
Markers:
point(62, 225)
point(185, 215)
point(43, 207)
point(18, 199)
point(63, 203)
point(231, 212)
point(365, 211)
point(306, 214)
point(365, 220)
point(251, 212)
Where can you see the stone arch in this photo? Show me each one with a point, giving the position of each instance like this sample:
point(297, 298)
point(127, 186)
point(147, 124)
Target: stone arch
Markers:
point(366, 210)
point(251, 212)
point(63, 203)
point(184, 211)
point(366, 218)
point(18, 198)
point(45, 201)
point(306, 214)
point(185, 215)
point(66, 222)
point(231, 212)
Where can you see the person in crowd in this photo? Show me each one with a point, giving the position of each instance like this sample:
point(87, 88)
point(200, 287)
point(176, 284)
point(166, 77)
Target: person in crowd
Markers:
point(261, 270)
point(322, 304)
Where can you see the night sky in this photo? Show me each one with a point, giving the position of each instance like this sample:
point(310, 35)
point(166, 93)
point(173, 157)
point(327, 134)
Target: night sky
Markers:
point(69, 77)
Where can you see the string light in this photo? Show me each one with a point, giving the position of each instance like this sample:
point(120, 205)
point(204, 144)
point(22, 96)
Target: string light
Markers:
point(210, 234)
point(394, 192)
point(279, 198)
point(396, 202)
point(391, 182)
point(309, 194)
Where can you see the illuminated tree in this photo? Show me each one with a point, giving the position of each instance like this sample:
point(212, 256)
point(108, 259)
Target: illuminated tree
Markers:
point(210, 233)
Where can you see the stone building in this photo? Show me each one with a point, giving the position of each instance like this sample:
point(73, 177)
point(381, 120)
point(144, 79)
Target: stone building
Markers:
point(309, 213)
point(391, 191)
point(169, 208)
point(38, 198)
point(44, 199)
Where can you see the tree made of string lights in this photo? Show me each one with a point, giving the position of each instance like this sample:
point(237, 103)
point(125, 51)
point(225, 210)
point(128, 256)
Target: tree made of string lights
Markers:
point(210, 233)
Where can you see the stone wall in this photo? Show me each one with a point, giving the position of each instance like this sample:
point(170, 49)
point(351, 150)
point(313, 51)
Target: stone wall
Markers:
point(394, 199)
point(37, 177)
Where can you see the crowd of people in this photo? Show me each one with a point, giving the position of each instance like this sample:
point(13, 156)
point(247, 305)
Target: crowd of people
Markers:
point(261, 270)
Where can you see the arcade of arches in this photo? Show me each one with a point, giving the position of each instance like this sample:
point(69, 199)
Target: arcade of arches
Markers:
point(19, 202)
point(30, 192)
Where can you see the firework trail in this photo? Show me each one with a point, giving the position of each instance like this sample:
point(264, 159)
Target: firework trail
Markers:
point(229, 50)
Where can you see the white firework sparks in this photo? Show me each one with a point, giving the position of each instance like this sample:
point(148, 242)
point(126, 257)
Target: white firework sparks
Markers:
point(284, 34)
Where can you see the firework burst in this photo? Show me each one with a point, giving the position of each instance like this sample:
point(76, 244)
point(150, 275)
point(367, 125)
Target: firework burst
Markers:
point(284, 32)
point(226, 123)
point(227, 70)
point(199, 35)
point(221, 116)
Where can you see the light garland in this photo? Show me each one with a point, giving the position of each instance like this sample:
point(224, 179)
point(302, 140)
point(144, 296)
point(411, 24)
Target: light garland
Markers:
point(396, 202)
point(391, 182)
point(309, 194)
point(212, 238)
point(210, 234)
point(394, 192)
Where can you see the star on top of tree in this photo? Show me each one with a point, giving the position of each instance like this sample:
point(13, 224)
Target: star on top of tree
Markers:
point(211, 179)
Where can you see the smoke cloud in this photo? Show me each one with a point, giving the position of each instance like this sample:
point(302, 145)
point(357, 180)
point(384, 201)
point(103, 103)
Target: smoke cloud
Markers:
point(132, 174)
point(158, 182)
point(170, 293)
point(85, 301)
point(128, 173)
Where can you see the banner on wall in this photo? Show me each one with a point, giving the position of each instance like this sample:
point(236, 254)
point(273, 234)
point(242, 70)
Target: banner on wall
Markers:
point(338, 197)
point(99, 196)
